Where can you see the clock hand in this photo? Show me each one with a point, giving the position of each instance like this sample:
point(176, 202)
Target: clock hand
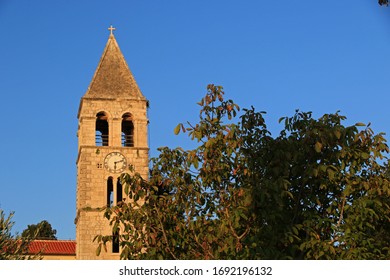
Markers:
point(115, 162)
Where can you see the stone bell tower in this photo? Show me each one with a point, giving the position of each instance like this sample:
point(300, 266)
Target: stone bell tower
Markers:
point(112, 135)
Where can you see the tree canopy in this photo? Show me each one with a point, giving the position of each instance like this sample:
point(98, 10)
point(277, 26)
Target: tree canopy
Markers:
point(383, 2)
point(42, 230)
point(318, 190)
point(13, 247)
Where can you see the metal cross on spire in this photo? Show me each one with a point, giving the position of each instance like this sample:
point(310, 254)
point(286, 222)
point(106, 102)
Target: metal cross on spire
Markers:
point(111, 29)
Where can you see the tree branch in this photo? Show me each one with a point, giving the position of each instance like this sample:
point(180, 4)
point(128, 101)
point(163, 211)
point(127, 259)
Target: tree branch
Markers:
point(164, 234)
point(341, 213)
point(203, 248)
point(233, 230)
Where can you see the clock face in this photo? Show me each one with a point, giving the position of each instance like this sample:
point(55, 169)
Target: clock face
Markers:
point(115, 162)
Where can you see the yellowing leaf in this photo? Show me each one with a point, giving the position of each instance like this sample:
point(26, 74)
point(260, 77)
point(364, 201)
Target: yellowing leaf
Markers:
point(177, 129)
point(318, 147)
point(196, 163)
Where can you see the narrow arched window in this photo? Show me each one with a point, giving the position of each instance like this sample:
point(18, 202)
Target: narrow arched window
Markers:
point(127, 130)
point(101, 137)
point(119, 191)
point(110, 192)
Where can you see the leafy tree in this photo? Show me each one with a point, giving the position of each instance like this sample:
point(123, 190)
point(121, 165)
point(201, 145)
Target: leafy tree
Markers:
point(13, 247)
point(319, 190)
point(383, 2)
point(42, 230)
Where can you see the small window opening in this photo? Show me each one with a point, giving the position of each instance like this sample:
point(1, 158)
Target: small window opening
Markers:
point(110, 192)
point(119, 191)
point(101, 137)
point(115, 242)
point(127, 131)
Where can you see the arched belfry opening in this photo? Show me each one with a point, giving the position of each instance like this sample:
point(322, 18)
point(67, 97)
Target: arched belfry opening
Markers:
point(101, 136)
point(127, 130)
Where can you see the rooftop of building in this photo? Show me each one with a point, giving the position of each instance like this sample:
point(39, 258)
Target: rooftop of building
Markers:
point(53, 247)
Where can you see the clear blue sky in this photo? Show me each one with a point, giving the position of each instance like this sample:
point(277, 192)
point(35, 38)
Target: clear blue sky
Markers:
point(278, 56)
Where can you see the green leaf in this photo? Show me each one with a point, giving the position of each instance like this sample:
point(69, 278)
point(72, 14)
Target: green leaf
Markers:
point(365, 155)
point(331, 174)
point(98, 250)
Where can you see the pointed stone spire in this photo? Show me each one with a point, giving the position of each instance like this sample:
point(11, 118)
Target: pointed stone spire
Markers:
point(113, 78)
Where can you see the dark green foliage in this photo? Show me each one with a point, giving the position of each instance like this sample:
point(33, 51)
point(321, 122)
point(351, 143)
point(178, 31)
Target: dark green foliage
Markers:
point(383, 2)
point(40, 231)
point(13, 247)
point(318, 190)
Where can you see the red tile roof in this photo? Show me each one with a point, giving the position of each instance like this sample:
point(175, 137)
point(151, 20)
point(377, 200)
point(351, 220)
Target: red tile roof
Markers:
point(53, 247)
